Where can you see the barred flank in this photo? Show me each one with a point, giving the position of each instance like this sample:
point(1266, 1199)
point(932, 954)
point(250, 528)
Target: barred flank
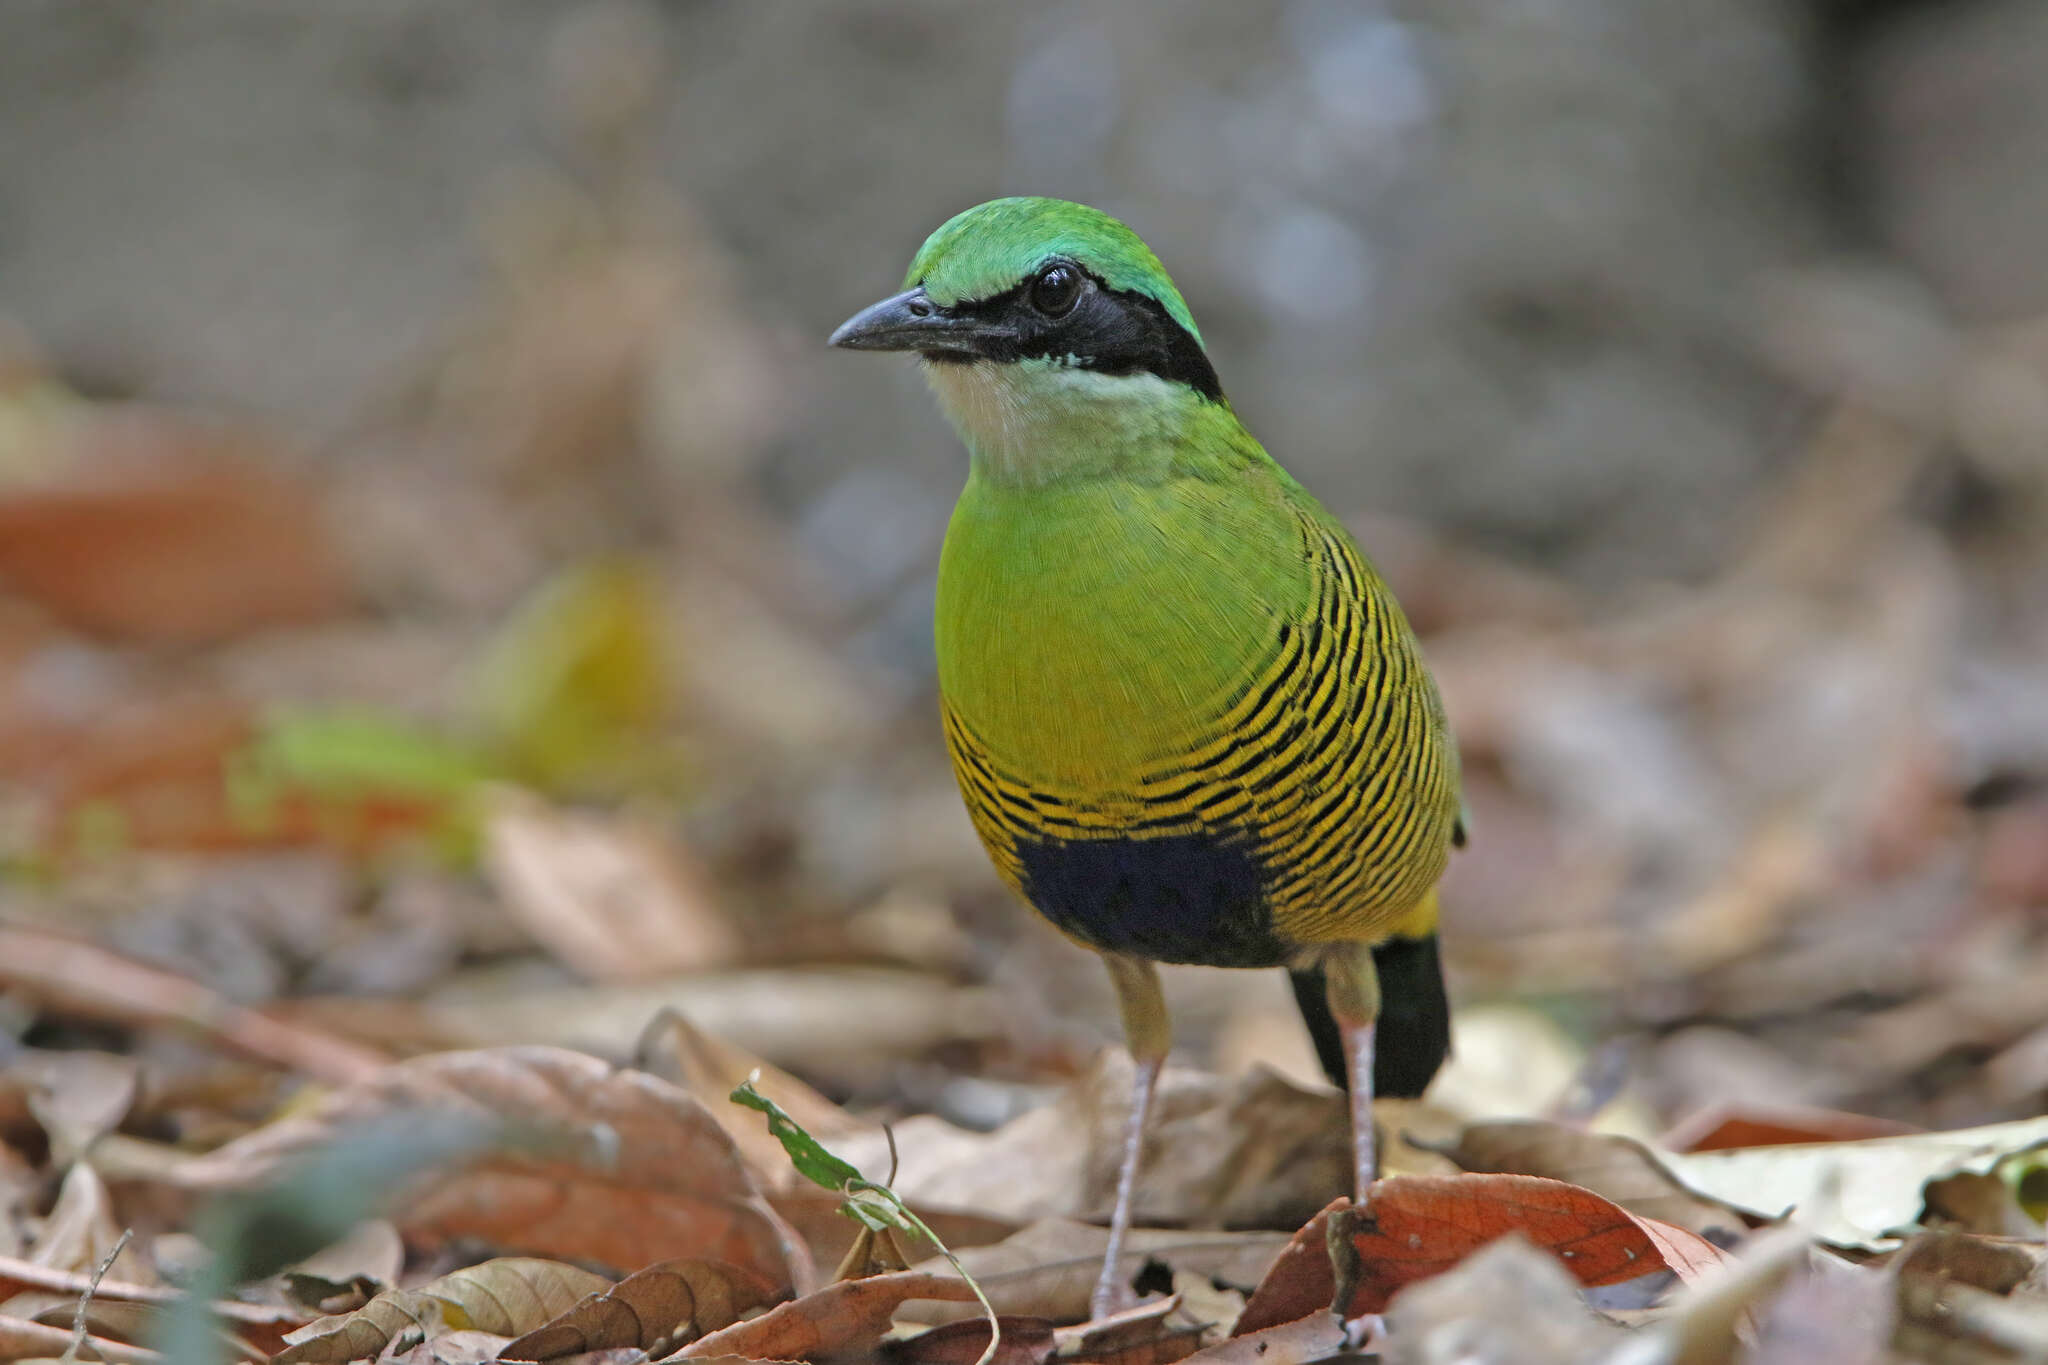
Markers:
point(1330, 762)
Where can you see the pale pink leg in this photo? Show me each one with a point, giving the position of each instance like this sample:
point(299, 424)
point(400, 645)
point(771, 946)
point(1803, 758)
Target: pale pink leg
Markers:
point(1365, 1162)
point(1111, 1288)
point(1354, 987)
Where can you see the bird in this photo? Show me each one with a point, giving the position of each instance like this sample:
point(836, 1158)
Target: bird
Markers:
point(1188, 719)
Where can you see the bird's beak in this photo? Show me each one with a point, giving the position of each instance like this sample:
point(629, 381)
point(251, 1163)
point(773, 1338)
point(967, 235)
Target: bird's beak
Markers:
point(912, 322)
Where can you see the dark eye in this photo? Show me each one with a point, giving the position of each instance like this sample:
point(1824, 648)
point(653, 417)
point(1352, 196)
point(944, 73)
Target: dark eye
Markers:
point(1054, 291)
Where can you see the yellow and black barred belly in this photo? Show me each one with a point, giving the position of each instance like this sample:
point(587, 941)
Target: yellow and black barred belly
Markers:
point(1317, 803)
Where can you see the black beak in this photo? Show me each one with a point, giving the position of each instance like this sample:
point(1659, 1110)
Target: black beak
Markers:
point(912, 322)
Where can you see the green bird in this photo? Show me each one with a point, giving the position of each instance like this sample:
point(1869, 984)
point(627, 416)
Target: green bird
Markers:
point(1189, 720)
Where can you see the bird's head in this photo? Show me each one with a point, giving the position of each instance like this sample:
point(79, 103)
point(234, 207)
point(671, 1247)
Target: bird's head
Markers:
point(1039, 302)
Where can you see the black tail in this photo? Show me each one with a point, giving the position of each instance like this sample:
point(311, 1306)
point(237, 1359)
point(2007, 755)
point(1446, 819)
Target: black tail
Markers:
point(1414, 1034)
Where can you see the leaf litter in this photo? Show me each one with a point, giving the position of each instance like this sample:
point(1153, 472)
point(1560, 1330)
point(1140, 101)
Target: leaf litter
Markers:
point(588, 727)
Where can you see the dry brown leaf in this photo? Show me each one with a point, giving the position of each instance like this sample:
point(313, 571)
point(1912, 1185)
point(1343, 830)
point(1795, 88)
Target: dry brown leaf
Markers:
point(844, 1024)
point(166, 528)
point(260, 1324)
point(1736, 1125)
point(67, 975)
point(665, 1304)
point(349, 1273)
point(1313, 1337)
point(1998, 1265)
point(1853, 1193)
point(1828, 1311)
point(81, 1230)
point(1508, 1301)
point(505, 1297)
point(453, 1348)
point(1158, 1332)
point(623, 1169)
point(24, 1340)
point(137, 1324)
point(839, 1319)
point(1023, 1341)
point(831, 1235)
point(78, 1097)
point(610, 895)
point(1616, 1168)
point(1413, 1227)
point(1048, 1269)
point(1248, 1151)
point(710, 1068)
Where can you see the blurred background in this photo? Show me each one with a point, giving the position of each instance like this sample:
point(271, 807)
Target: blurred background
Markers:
point(449, 593)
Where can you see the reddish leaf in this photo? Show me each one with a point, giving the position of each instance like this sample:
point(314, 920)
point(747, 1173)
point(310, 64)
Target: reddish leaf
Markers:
point(642, 1171)
point(1413, 1227)
point(1725, 1126)
point(1026, 1341)
point(170, 529)
point(844, 1318)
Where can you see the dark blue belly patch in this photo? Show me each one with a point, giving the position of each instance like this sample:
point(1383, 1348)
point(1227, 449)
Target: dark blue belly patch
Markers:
point(1194, 898)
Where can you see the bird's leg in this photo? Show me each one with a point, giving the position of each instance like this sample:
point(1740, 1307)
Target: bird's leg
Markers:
point(1148, 1034)
point(1354, 991)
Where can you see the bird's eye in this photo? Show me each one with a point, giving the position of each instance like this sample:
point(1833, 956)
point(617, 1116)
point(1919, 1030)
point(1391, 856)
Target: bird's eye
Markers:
point(1054, 291)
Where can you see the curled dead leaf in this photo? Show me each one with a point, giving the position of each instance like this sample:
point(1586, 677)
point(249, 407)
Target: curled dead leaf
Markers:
point(1413, 1227)
point(665, 1304)
point(1615, 1167)
point(612, 896)
point(507, 1296)
point(839, 1319)
point(1025, 1341)
point(616, 1167)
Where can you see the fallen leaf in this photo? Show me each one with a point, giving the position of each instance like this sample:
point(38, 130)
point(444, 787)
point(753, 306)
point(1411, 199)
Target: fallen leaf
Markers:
point(670, 1303)
point(1023, 1341)
point(137, 1324)
point(81, 1230)
point(78, 1097)
point(504, 1297)
point(839, 1319)
point(1249, 1151)
point(1413, 1227)
point(1614, 1167)
point(631, 1169)
point(67, 975)
point(453, 1348)
point(1048, 1269)
point(709, 1068)
point(1828, 1311)
point(349, 1273)
point(1996, 1264)
point(1877, 1192)
point(1508, 1301)
point(22, 1340)
point(1312, 1337)
point(261, 1324)
point(165, 528)
point(1157, 1332)
point(610, 895)
point(844, 1024)
point(1724, 1126)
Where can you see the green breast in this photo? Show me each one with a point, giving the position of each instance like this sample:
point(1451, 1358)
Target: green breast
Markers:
point(1188, 719)
point(1085, 632)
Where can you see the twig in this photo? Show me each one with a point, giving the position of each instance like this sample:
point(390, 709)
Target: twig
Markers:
point(81, 978)
point(78, 1332)
point(22, 1340)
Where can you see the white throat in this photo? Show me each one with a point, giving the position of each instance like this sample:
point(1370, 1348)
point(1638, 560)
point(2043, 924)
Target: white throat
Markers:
point(1029, 421)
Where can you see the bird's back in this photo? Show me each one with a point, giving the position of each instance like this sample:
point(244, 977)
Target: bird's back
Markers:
point(1189, 720)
